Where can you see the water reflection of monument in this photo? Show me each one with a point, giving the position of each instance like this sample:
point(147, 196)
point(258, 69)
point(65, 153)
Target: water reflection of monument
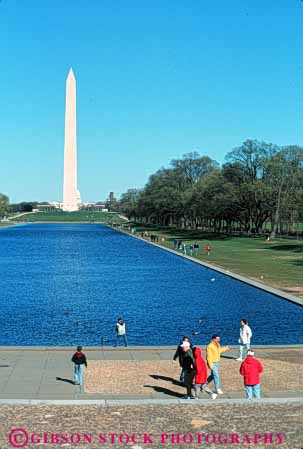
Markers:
point(71, 194)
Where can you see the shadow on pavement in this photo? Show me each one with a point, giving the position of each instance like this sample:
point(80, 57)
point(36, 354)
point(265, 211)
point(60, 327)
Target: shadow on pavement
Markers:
point(69, 381)
point(165, 391)
point(231, 357)
point(167, 379)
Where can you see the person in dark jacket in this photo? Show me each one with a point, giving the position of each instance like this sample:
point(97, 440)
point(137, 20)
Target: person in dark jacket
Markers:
point(201, 375)
point(179, 354)
point(188, 366)
point(79, 360)
point(251, 369)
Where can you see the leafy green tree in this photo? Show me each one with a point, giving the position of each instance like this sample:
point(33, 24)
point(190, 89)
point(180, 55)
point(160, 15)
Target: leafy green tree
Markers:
point(247, 168)
point(129, 202)
point(192, 167)
point(4, 202)
point(284, 176)
point(259, 182)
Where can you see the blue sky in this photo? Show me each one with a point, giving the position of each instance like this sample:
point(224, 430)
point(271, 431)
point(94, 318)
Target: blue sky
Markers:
point(155, 79)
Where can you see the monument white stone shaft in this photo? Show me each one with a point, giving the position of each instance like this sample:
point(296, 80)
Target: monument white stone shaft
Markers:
point(71, 195)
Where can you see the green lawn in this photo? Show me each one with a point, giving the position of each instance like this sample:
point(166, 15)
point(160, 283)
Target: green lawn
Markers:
point(7, 223)
point(79, 216)
point(280, 262)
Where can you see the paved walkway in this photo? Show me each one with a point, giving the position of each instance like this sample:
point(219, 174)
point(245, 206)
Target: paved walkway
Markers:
point(47, 373)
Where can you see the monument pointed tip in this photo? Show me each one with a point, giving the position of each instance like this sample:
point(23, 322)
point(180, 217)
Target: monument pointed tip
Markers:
point(71, 73)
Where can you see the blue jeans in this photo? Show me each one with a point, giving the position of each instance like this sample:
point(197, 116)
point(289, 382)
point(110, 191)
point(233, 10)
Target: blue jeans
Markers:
point(252, 391)
point(241, 347)
point(78, 374)
point(215, 376)
point(118, 338)
point(199, 387)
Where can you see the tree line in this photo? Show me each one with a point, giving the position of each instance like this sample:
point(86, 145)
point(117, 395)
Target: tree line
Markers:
point(7, 209)
point(258, 189)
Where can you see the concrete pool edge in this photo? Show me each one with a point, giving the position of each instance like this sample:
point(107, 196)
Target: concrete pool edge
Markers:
point(274, 291)
point(136, 348)
point(144, 402)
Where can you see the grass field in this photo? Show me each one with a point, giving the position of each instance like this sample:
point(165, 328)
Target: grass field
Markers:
point(79, 216)
point(3, 225)
point(278, 263)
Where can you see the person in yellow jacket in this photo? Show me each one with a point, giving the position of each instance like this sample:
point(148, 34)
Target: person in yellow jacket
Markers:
point(213, 353)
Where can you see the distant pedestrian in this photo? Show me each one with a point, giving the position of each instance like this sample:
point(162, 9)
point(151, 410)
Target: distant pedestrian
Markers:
point(201, 375)
point(188, 366)
point(196, 248)
point(180, 245)
point(120, 332)
point(251, 369)
point(79, 360)
point(244, 340)
point(191, 249)
point(179, 354)
point(213, 354)
point(184, 249)
point(175, 244)
point(208, 249)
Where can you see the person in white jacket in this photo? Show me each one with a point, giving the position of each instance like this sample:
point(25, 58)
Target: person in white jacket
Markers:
point(244, 340)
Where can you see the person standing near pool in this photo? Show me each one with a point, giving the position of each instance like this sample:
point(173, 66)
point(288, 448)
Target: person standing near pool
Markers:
point(179, 354)
point(213, 354)
point(208, 249)
point(251, 369)
point(196, 248)
point(120, 332)
point(188, 365)
point(79, 360)
point(244, 340)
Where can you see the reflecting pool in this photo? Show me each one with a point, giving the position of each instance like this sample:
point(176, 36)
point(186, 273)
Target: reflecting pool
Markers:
point(66, 284)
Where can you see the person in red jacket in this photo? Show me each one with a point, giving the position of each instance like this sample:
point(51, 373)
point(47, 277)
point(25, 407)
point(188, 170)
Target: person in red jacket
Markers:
point(208, 249)
point(201, 375)
point(251, 369)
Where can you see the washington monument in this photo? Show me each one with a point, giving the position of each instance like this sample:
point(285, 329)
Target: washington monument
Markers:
point(71, 195)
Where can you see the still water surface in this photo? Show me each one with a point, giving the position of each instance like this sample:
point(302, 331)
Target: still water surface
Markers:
point(66, 284)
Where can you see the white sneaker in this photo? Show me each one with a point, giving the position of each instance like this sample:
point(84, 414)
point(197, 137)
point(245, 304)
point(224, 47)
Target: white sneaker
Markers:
point(214, 395)
point(219, 391)
point(239, 359)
